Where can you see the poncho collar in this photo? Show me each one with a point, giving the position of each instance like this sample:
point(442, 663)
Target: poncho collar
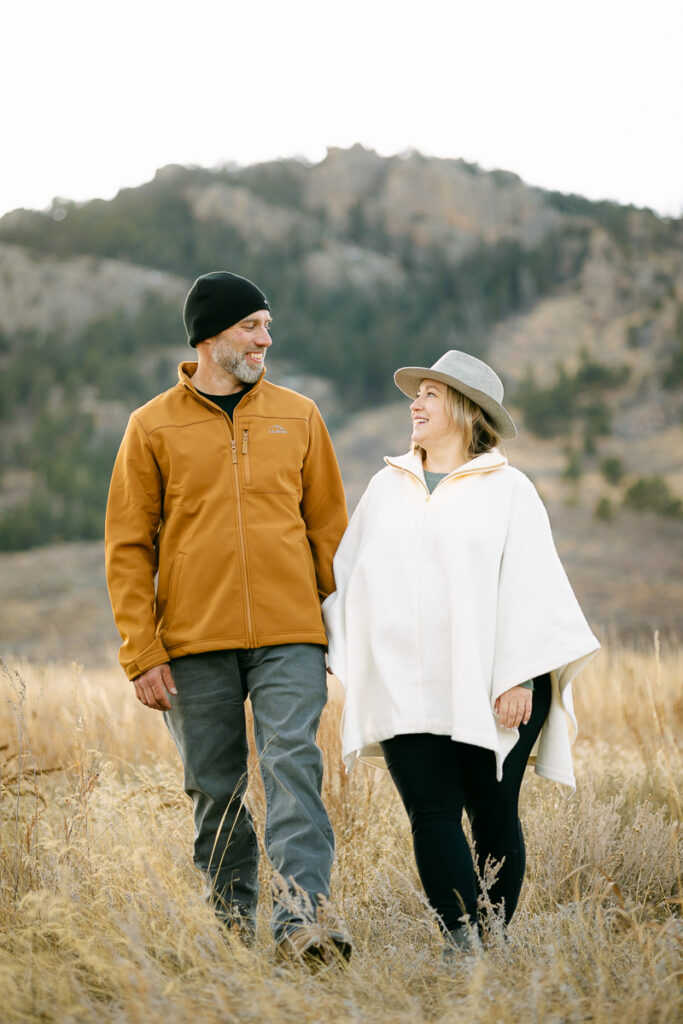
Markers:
point(411, 463)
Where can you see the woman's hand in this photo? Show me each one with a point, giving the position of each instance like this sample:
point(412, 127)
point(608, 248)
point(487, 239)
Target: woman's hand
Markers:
point(514, 707)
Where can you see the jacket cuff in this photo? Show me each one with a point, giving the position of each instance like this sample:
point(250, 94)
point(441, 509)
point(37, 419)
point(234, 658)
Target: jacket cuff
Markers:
point(155, 654)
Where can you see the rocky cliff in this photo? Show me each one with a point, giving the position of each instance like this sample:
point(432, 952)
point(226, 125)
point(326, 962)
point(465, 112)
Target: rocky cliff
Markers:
point(370, 263)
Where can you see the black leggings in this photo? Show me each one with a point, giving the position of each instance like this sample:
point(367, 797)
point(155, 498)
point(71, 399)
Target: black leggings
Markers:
point(436, 778)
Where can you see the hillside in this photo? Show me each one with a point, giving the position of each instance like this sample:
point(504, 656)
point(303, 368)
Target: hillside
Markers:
point(369, 263)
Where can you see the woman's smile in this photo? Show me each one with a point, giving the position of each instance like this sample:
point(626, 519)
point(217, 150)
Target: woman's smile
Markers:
point(429, 413)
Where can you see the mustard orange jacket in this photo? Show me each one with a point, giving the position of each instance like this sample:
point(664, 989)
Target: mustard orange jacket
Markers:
point(237, 523)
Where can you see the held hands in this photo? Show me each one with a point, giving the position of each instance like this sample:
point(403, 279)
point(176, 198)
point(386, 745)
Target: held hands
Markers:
point(152, 686)
point(514, 707)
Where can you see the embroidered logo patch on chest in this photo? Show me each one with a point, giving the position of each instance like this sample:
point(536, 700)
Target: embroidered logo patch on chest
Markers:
point(276, 429)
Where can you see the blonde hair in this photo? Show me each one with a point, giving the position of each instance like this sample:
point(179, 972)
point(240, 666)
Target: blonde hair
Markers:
point(478, 433)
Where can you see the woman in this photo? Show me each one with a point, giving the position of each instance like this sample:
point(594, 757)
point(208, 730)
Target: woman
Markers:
point(456, 635)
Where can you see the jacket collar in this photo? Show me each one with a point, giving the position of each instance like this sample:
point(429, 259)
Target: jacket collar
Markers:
point(411, 463)
point(186, 372)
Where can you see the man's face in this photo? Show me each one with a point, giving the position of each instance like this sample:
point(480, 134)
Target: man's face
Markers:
point(241, 349)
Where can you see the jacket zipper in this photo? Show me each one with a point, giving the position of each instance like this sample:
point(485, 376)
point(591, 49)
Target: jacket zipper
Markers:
point(251, 637)
point(245, 452)
point(251, 640)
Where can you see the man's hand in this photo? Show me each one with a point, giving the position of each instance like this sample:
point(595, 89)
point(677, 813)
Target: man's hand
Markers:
point(514, 707)
point(152, 686)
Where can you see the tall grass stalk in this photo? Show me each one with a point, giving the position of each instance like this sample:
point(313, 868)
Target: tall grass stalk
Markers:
point(103, 917)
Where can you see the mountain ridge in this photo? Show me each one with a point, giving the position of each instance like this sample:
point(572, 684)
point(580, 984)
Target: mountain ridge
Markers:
point(369, 262)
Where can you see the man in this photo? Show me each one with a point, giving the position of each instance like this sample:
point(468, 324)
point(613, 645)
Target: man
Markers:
point(228, 488)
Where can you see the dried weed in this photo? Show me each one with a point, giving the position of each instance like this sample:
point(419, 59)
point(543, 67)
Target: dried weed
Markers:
point(103, 916)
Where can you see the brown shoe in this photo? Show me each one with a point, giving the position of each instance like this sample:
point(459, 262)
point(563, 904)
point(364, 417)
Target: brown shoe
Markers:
point(314, 945)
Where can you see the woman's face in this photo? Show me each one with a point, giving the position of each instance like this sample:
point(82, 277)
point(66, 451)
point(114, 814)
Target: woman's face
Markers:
point(431, 421)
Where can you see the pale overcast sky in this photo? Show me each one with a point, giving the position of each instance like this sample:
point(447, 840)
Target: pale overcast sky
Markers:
point(582, 97)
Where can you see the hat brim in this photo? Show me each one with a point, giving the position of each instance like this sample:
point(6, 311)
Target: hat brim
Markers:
point(409, 378)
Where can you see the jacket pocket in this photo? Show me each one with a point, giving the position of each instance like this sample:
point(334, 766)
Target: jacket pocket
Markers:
point(173, 586)
point(245, 454)
point(272, 451)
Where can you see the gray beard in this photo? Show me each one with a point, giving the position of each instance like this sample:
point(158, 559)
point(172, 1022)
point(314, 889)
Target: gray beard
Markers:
point(225, 356)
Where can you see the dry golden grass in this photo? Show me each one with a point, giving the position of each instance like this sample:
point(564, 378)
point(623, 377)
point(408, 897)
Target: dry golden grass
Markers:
point(103, 917)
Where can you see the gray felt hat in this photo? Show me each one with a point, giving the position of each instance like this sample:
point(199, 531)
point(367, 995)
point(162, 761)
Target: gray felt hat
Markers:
point(468, 375)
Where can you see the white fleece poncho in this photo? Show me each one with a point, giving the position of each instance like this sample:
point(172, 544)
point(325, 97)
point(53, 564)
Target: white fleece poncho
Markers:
point(445, 601)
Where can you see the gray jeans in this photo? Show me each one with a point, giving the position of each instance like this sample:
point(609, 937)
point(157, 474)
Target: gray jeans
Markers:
point(287, 686)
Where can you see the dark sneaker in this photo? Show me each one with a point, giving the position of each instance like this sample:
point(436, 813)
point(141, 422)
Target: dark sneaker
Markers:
point(461, 942)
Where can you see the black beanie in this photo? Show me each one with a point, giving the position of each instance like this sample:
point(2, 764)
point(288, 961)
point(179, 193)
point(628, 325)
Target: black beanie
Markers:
point(218, 300)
